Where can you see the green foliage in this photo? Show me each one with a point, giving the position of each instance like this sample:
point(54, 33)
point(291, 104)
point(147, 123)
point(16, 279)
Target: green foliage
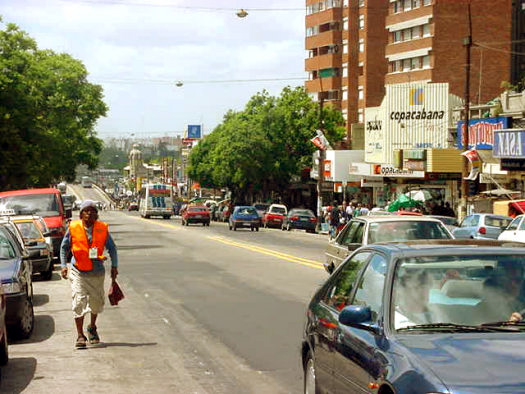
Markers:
point(48, 112)
point(259, 149)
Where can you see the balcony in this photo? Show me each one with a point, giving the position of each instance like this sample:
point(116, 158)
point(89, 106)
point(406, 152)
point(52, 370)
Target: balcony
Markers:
point(331, 83)
point(326, 16)
point(410, 45)
point(330, 60)
point(323, 39)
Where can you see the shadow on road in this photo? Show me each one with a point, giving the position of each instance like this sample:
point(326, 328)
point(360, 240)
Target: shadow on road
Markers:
point(43, 329)
point(40, 299)
point(129, 247)
point(17, 375)
point(125, 344)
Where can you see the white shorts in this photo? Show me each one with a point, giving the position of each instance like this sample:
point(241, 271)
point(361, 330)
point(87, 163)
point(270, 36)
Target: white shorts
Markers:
point(87, 293)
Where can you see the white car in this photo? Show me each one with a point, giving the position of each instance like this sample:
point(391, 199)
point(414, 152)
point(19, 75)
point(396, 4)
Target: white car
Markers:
point(515, 231)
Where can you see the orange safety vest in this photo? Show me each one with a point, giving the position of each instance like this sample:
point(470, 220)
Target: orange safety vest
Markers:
point(80, 245)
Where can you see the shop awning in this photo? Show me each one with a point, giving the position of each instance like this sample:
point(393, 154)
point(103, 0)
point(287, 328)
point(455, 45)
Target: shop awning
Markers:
point(519, 205)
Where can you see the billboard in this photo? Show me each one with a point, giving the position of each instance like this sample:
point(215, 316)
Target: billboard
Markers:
point(194, 131)
point(509, 144)
point(481, 132)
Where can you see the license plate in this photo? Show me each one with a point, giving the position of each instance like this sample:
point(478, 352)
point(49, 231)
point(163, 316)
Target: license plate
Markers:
point(198, 216)
point(303, 220)
point(246, 224)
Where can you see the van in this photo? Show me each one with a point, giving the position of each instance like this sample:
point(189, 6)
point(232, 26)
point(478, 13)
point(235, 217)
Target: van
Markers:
point(45, 202)
point(156, 200)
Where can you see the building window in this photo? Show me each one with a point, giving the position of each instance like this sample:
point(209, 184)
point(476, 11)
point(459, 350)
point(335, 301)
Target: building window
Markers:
point(344, 112)
point(406, 64)
point(361, 45)
point(427, 2)
point(407, 5)
point(345, 71)
point(398, 36)
point(345, 3)
point(407, 34)
point(328, 72)
point(360, 93)
point(415, 3)
point(345, 95)
point(414, 63)
point(360, 116)
point(312, 31)
point(345, 48)
point(426, 61)
point(398, 6)
point(426, 30)
point(416, 32)
point(361, 21)
point(345, 23)
point(361, 3)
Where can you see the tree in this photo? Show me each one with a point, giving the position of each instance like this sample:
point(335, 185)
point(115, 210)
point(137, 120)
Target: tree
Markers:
point(48, 111)
point(259, 149)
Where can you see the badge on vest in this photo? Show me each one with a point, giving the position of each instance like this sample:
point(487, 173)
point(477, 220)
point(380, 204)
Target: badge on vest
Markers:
point(93, 253)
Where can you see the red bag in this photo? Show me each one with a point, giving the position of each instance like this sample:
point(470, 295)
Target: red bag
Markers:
point(115, 293)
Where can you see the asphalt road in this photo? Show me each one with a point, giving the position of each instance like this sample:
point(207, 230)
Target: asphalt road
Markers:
point(246, 290)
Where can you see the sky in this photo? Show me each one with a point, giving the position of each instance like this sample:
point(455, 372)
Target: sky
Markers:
point(138, 49)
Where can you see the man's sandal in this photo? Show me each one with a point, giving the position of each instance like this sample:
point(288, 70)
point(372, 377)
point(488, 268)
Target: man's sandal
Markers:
point(81, 342)
point(94, 339)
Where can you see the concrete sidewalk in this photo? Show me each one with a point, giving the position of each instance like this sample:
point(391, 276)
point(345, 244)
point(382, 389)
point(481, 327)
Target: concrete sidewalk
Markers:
point(129, 359)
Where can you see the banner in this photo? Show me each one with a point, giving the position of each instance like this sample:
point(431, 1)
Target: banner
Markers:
point(320, 141)
point(475, 163)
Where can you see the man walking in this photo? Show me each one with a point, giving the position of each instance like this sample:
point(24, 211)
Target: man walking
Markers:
point(86, 240)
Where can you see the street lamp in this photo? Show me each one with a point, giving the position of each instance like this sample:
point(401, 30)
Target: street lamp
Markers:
point(241, 13)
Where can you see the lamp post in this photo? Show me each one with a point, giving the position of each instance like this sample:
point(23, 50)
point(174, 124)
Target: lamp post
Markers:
point(320, 166)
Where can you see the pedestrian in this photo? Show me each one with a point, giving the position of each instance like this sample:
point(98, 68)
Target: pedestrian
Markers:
point(86, 239)
point(334, 220)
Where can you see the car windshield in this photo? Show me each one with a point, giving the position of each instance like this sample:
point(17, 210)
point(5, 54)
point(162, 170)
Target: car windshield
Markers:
point(197, 209)
point(41, 204)
point(399, 231)
point(247, 211)
point(466, 290)
point(301, 212)
point(495, 221)
point(29, 230)
point(449, 221)
point(278, 210)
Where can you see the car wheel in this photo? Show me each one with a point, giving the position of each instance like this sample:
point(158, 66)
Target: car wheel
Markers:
point(252, 228)
point(234, 228)
point(46, 275)
point(25, 325)
point(4, 351)
point(310, 383)
point(288, 228)
point(283, 228)
point(257, 228)
point(230, 227)
point(203, 224)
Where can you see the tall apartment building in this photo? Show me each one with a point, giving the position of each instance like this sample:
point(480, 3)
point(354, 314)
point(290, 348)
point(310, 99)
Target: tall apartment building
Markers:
point(357, 46)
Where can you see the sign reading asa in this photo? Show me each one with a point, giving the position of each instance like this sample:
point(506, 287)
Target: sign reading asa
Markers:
point(509, 144)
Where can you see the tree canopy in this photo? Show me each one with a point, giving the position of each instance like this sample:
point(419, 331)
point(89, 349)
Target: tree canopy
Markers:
point(48, 111)
point(258, 150)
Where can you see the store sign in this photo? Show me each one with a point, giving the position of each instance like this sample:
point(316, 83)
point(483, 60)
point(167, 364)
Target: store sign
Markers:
point(509, 144)
point(194, 131)
point(481, 132)
point(490, 178)
point(512, 165)
point(388, 170)
point(359, 169)
point(327, 169)
point(372, 183)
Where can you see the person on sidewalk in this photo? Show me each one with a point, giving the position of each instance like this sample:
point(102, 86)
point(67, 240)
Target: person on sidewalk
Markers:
point(86, 240)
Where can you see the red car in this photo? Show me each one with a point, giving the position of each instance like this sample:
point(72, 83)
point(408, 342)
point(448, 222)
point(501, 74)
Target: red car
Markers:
point(275, 216)
point(196, 214)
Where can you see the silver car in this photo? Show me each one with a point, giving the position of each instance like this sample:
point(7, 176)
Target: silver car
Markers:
point(365, 230)
point(482, 226)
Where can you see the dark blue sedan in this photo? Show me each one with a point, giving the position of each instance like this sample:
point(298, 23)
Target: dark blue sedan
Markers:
point(420, 317)
point(244, 216)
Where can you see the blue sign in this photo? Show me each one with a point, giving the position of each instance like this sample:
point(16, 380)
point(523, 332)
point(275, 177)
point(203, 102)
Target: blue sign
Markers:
point(481, 132)
point(194, 131)
point(509, 144)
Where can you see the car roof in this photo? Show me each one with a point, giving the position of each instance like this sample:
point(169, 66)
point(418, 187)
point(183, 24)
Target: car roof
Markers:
point(244, 206)
point(436, 247)
point(400, 218)
point(278, 205)
point(492, 215)
point(22, 192)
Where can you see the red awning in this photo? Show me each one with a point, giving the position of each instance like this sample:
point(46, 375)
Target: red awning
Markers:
point(519, 206)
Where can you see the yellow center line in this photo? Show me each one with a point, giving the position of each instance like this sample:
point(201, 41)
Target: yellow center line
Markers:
point(157, 223)
point(268, 252)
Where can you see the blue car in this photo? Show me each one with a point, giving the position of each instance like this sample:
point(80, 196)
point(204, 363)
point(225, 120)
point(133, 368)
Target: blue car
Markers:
point(244, 216)
point(420, 317)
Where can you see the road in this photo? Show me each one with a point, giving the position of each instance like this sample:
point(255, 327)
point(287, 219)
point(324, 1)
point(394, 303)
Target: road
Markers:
point(223, 310)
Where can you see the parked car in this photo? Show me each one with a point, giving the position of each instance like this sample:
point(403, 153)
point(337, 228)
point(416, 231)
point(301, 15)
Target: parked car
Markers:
point(133, 206)
point(449, 221)
point(15, 278)
point(46, 202)
point(482, 226)
point(261, 208)
point(274, 216)
point(196, 214)
point(299, 218)
point(392, 319)
point(223, 213)
point(515, 231)
point(40, 253)
point(244, 216)
point(365, 230)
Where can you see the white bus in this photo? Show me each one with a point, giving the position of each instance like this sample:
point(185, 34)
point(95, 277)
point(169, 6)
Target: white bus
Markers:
point(156, 200)
point(86, 181)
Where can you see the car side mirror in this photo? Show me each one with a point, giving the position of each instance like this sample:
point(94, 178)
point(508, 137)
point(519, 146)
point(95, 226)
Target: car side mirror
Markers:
point(359, 316)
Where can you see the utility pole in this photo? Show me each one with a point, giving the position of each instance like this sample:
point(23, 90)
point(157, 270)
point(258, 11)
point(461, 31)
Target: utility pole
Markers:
point(467, 43)
point(320, 167)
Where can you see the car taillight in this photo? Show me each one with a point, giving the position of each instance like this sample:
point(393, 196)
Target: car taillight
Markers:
point(313, 219)
point(482, 230)
point(294, 218)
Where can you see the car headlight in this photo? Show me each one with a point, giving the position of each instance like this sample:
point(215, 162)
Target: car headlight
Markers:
point(44, 252)
point(11, 288)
